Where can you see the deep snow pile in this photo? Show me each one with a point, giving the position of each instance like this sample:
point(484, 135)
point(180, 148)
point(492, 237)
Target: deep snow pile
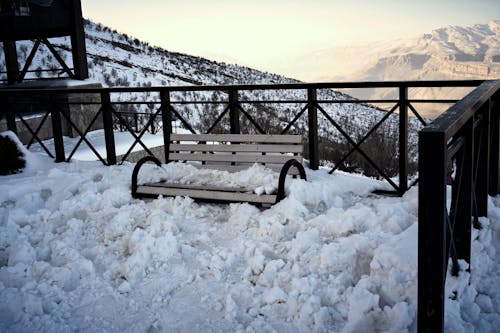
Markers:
point(77, 253)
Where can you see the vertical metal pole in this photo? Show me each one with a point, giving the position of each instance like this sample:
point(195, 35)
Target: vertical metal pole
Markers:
point(11, 63)
point(55, 115)
point(482, 158)
point(78, 48)
point(403, 140)
point(312, 117)
point(8, 111)
point(494, 144)
point(463, 214)
point(11, 121)
point(107, 120)
point(432, 260)
point(234, 113)
point(166, 117)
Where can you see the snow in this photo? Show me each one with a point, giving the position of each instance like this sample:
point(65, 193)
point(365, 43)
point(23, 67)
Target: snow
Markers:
point(78, 253)
point(123, 141)
point(59, 83)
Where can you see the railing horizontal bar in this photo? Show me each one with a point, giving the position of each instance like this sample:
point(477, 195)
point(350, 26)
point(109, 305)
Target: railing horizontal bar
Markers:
point(446, 101)
point(138, 113)
point(133, 103)
point(38, 70)
point(297, 101)
point(458, 114)
point(292, 101)
point(455, 147)
point(286, 86)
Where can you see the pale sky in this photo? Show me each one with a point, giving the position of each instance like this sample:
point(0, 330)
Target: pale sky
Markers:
point(262, 33)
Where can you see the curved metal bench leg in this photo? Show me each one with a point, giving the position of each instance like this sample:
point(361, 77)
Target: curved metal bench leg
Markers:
point(284, 171)
point(135, 173)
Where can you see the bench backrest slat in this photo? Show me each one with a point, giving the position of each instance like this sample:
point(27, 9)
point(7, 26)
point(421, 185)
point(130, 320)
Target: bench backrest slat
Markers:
point(259, 138)
point(237, 168)
point(256, 148)
point(252, 158)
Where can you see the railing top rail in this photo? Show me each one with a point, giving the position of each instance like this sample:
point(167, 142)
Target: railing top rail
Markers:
point(449, 122)
point(283, 86)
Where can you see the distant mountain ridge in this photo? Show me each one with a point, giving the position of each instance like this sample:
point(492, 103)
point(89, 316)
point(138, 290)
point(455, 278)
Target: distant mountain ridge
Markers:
point(451, 53)
point(447, 53)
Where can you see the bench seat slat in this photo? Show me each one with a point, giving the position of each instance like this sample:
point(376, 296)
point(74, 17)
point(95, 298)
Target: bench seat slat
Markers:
point(202, 187)
point(257, 148)
point(232, 158)
point(207, 195)
point(259, 138)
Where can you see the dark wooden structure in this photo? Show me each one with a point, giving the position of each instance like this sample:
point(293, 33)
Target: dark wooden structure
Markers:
point(226, 152)
point(459, 149)
point(40, 20)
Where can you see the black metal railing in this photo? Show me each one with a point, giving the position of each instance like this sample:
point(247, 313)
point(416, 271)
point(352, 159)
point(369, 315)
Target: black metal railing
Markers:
point(310, 113)
point(38, 75)
point(460, 149)
point(136, 121)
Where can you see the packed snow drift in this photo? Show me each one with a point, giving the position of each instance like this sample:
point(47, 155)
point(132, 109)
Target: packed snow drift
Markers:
point(78, 253)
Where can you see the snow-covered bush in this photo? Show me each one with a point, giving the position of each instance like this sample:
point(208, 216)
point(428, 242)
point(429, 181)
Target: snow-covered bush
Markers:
point(12, 158)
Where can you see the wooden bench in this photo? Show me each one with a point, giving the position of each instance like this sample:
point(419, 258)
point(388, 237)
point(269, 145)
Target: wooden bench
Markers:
point(226, 152)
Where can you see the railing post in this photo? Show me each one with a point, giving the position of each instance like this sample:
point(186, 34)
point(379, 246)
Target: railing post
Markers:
point(136, 122)
point(166, 117)
point(312, 117)
point(403, 139)
point(432, 260)
point(494, 144)
point(152, 119)
point(482, 164)
point(11, 62)
point(107, 120)
point(462, 215)
point(10, 115)
point(55, 115)
point(234, 113)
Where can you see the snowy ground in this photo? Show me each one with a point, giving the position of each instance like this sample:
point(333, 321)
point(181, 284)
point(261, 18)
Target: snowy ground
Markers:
point(78, 253)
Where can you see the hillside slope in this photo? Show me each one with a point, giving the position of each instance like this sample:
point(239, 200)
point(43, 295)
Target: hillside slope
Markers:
point(118, 60)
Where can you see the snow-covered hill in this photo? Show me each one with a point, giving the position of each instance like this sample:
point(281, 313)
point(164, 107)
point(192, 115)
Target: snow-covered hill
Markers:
point(116, 59)
point(451, 53)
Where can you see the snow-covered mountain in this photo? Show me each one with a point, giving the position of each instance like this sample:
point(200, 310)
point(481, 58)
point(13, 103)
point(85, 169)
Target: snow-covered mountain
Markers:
point(451, 53)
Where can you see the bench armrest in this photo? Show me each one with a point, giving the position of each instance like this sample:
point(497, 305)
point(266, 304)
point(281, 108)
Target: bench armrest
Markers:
point(135, 173)
point(284, 171)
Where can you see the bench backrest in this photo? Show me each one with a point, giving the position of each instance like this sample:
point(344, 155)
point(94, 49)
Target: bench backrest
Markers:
point(234, 152)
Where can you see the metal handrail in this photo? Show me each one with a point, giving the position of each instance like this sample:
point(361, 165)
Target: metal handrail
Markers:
point(460, 149)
